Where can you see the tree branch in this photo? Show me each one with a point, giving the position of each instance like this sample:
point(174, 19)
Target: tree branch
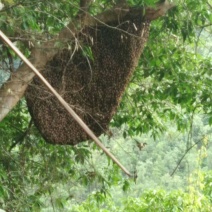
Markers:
point(13, 90)
point(185, 153)
point(160, 10)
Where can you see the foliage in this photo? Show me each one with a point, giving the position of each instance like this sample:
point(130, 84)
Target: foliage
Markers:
point(195, 197)
point(151, 200)
point(41, 176)
point(208, 185)
point(172, 81)
point(163, 201)
point(171, 84)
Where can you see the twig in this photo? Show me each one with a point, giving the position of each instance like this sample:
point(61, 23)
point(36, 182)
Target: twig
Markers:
point(21, 137)
point(179, 162)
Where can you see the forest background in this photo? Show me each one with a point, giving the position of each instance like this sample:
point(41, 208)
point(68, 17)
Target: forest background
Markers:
point(168, 105)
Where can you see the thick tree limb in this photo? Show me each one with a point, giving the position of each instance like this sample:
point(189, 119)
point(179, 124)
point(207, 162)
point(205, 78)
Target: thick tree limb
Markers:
point(13, 90)
point(160, 10)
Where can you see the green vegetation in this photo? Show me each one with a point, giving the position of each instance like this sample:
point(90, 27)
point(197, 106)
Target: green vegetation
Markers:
point(168, 105)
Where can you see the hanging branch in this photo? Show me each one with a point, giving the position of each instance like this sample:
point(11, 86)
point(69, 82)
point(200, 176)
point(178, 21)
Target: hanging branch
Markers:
point(185, 153)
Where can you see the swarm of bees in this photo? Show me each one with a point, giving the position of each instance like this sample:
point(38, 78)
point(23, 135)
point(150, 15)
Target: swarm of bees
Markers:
point(90, 77)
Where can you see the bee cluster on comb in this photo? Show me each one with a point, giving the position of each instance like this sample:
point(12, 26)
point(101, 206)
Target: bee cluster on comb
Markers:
point(92, 84)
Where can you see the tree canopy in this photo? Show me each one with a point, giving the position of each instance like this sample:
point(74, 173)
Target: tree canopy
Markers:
point(170, 87)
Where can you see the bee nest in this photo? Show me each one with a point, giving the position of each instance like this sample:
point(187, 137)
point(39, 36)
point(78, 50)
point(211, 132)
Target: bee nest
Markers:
point(91, 78)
